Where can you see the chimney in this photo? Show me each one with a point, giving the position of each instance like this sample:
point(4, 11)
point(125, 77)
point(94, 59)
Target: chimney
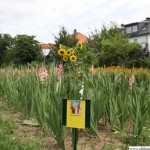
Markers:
point(122, 25)
point(75, 31)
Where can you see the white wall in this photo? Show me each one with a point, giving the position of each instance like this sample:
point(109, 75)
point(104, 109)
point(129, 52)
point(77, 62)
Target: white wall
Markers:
point(45, 51)
point(143, 39)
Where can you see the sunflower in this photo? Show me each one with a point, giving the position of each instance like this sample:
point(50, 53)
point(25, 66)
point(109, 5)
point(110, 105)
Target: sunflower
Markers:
point(61, 52)
point(69, 52)
point(65, 58)
point(80, 45)
point(60, 46)
point(73, 58)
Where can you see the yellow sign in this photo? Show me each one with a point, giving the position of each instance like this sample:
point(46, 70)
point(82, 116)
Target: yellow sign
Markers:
point(76, 113)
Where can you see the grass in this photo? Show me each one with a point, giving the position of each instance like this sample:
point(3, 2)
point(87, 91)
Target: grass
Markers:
point(10, 141)
point(113, 100)
point(142, 140)
point(16, 144)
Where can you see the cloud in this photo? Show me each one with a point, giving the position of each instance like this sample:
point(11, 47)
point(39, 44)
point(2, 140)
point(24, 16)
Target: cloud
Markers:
point(43, 18)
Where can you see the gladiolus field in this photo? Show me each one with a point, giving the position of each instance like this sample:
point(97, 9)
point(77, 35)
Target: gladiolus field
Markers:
point(120, 99)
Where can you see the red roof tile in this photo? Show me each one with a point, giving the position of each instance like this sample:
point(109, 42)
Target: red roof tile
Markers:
point(81, 38)
point(47, 46)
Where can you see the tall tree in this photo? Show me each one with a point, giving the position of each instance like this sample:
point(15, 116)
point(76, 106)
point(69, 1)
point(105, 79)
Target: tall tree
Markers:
point(6, 43)
point(95, 38)
point(115, 49)
point(26, 49)
point(65, 38)
point(112, 47)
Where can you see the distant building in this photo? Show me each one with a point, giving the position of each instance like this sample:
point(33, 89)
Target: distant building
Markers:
point(81, 38)
point(139, 32)
point(46, 48)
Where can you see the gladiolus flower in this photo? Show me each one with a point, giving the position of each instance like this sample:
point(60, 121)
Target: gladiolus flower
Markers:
point(131, 82)
point(23, 72)
point(92, 69)
point(60, 70)
point(42, 74)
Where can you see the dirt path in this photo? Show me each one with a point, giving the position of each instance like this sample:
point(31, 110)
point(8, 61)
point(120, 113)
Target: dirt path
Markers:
point(86, 140)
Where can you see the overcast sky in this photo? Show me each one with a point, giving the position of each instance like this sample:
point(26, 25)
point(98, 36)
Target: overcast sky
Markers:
point(43, 18)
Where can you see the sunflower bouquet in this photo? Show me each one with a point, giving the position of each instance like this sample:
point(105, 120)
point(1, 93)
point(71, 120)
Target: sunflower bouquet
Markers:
point(68, 58)
point(69, 54)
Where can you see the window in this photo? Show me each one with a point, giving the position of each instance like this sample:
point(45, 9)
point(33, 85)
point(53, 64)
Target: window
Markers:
point(134, 28)
point(128, 30)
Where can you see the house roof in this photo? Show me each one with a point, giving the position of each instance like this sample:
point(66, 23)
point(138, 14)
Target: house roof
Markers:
point(144, 27)
point(47, 46)
point(81, 38)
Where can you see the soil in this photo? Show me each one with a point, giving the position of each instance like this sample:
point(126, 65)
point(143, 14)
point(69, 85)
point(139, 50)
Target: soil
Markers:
point(86, 141)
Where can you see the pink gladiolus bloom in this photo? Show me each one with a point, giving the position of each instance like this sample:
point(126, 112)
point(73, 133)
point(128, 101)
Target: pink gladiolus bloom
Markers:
point(60, 70)
point(92, 69)
point(42, 74)
point(131, 82)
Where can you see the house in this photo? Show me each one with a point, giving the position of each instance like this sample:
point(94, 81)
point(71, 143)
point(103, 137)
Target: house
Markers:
point(139, 32)
point(81, 38)
point(46, 48)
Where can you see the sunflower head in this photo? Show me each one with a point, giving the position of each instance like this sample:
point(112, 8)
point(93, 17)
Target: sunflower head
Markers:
point(68, 52)
point(60, 46)
point(61, 52)
point(65, 58)
point(73, 58)
point(80, 45)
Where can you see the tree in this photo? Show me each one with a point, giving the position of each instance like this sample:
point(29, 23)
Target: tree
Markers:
point(95, 38)
point(6, 43)
point(26, 49)
point(114, 50)
point(117, 50)
point(65, 39)
point(112, 47)
point(138, 56)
